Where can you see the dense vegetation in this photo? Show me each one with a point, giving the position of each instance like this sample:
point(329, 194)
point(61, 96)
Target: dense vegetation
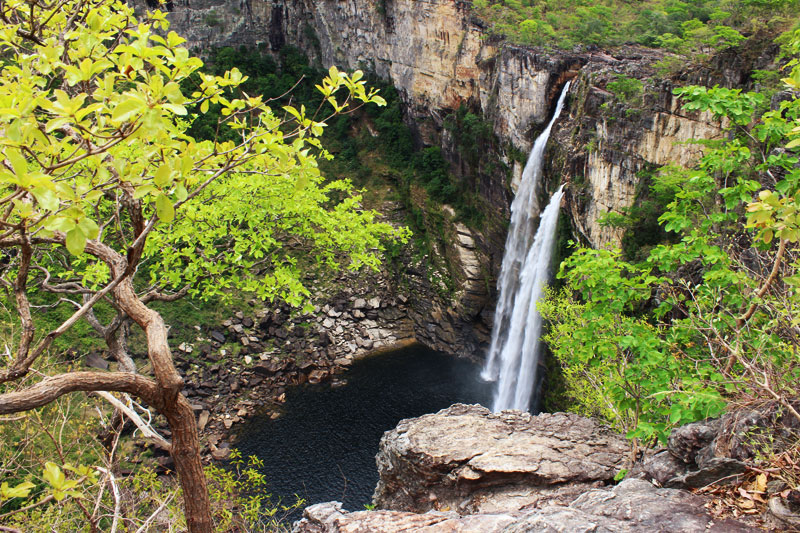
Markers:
point(682, 329)
point(106, 196)
point(677, 25)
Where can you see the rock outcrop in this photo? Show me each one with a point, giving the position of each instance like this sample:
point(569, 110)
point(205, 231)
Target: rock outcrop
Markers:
point(719, 450)
point(469, 459)
point(606, 145)
point(467, 470)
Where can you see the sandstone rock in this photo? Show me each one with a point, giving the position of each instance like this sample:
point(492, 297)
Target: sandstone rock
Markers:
point(444, 458)
point(329, 518)
point(316, 376)
point(719, 449)
point(203, 420)
point(632, 506)
point(220, 454)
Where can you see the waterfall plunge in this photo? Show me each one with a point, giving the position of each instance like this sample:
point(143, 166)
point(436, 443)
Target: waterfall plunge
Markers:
point(514, 353)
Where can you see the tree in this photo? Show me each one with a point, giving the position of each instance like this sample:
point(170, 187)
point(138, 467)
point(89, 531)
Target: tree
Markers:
point(712, 318)
point(105, 198)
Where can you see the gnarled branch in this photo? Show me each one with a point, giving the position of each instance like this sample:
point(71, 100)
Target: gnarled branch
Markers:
point(53, 387)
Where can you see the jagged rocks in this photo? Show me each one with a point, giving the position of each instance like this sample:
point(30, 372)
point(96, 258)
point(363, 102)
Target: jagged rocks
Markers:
point(633, 506)
point(467, 458)
point(467, 470)
point(714, 450)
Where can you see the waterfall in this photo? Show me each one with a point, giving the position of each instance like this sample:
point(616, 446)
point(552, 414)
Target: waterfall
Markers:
point(514, 351)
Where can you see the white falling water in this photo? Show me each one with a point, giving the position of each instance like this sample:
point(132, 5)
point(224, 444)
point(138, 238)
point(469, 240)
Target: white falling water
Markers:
point(514, 351)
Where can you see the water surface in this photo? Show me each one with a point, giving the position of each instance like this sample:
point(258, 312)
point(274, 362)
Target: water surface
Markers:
point(323, 447)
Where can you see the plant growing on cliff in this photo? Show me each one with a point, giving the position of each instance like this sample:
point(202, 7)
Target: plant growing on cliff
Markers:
point(712, 318)
point(101, 185)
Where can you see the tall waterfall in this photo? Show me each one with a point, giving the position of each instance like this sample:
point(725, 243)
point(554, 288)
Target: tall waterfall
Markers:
point(514, 351)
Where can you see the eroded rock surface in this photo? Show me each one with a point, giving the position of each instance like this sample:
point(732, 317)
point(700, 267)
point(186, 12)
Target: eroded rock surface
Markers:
point(467, 458)
point(633, 506)
point(719, 450)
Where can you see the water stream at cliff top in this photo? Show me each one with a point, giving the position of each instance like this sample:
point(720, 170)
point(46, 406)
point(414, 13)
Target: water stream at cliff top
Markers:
point(514, 351)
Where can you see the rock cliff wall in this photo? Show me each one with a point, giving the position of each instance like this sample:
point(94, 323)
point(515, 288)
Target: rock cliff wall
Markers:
point(439, 58)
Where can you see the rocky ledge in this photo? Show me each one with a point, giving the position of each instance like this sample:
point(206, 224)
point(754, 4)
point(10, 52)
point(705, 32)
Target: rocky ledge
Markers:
point(465, 469)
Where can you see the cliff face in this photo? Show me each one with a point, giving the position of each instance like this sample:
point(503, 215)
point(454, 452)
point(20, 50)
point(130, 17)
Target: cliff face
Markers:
point(606, 144)
point(438, 57)
point(431, 50)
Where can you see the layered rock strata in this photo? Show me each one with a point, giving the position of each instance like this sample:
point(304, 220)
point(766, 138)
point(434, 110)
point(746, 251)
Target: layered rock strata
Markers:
point(465, 469)
point(468, 459)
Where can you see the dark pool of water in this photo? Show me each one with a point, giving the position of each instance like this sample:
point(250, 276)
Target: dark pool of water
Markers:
point(323, 447)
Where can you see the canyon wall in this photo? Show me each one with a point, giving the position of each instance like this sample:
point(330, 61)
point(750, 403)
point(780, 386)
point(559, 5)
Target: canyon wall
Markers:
point(439, 58)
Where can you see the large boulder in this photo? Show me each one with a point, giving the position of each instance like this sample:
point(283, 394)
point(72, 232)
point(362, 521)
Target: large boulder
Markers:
point(468, 459)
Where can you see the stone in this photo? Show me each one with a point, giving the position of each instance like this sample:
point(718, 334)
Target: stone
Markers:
point(719, 449)
point(360, 303)
point(217, 336)
point(316, 376)
point(686, 441)
point(94, 360)
point(374, 303)
point(446, 458)
point(267, 368)
point(247, 322)
point(220, 454)
point(784, 513)
point(632, 506)
point(660, 467)
point(329, 518)
point(202, 420)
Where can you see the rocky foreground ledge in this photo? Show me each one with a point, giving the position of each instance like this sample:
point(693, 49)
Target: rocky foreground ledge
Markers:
point(465, 469)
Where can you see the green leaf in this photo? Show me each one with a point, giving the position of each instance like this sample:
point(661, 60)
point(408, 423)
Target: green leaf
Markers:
point(89, 228)
point(127, 109)
point(60, 224)
point(46, 198)
point(76, 241)
point(20, 491)
point(164, 208)
point(53, 474)
point(162, 176)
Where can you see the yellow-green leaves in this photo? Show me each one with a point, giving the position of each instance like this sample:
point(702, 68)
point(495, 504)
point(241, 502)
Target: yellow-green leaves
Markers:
point(19, 491)
point(61, 487)
point(164, 208)
point(128, 108)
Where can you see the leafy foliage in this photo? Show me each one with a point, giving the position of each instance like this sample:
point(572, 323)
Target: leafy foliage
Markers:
point(710, 317)
point(677, 25)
